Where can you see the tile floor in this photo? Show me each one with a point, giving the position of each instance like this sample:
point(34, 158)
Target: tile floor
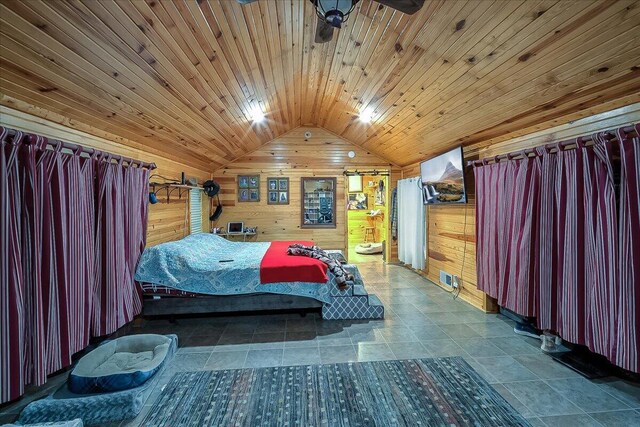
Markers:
point(421, 320)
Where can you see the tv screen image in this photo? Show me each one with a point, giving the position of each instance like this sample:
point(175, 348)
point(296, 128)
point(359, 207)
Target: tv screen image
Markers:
point(443, 178)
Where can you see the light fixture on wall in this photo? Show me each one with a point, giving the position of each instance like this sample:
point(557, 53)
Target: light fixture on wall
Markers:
point(366, 115)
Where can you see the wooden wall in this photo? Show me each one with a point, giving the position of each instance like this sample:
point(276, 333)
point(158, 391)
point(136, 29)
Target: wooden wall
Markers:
point(447, 232)
point(166, 220)
point(290, 156)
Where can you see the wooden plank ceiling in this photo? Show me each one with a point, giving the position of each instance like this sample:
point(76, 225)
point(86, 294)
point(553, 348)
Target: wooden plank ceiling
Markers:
point(182, 77)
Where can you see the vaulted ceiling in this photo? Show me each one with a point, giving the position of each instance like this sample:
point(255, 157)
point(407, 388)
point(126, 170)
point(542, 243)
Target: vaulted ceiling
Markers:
point(183, 77)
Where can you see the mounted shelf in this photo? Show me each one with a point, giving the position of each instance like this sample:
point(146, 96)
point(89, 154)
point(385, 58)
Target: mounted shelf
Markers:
point(159, 186)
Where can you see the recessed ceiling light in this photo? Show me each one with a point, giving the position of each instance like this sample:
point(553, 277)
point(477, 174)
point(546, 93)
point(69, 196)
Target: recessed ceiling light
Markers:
point(257, 115)
point(351, 154)
point(366, 115)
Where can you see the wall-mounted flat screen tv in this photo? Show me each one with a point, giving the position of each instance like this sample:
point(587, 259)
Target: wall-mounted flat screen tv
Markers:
point(443, 178)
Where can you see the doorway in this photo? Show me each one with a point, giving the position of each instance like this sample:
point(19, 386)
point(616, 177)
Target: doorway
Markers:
point(367, 215)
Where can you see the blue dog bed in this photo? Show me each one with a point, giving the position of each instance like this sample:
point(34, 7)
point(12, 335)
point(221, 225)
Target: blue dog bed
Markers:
point(121, 364)
point(99, 408)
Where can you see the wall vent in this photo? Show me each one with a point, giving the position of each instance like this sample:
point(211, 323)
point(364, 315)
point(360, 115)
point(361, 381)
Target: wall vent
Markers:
point(446, 279)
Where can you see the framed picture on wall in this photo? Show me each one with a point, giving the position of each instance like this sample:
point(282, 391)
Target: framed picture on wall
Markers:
point(318, 202)
point(278, 191)
point(355, 184)
point(358, 201)
point(248, 188)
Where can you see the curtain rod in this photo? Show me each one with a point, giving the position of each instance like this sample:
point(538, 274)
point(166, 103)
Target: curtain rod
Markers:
point(608, 134)
point(374, 172)
point(30, 138)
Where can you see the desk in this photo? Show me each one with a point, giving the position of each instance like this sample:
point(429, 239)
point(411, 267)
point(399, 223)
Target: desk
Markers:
point(228, 236)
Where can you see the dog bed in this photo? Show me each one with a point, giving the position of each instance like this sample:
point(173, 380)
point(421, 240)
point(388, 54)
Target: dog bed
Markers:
point(121, 364)
point(369, 248)
point(96, 408)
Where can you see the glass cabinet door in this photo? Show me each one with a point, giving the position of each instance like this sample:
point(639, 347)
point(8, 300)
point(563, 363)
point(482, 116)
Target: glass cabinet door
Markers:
point(318, 203)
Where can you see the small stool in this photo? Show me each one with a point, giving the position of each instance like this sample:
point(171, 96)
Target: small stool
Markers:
point(369, 233)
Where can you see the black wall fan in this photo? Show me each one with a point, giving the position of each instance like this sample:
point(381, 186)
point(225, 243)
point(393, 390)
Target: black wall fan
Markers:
point(333, 13)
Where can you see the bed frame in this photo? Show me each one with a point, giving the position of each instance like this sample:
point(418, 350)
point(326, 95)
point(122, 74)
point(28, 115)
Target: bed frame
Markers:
point(177, 305)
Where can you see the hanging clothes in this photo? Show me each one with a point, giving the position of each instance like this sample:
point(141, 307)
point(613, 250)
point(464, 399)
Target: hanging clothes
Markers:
point(394, 214)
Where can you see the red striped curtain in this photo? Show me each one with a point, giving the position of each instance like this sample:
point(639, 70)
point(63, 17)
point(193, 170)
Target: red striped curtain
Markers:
point(57, 264)
point(506, 194)
point(57, 253)
point(13, 373)
point(554, 242)
point(628, 322)
point(121, 237)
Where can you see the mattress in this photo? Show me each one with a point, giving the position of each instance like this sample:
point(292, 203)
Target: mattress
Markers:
point(206, 264)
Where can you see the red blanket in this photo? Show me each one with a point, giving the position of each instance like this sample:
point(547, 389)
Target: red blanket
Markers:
point(277, 266)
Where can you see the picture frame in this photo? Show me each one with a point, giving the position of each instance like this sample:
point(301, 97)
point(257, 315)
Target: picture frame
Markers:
point(358, 201)
point(278, 188)
point(248, 188)
point(355, 184)
point(318, 202)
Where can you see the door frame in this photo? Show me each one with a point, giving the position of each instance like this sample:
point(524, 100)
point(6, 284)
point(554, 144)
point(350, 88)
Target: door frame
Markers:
point(387, 219)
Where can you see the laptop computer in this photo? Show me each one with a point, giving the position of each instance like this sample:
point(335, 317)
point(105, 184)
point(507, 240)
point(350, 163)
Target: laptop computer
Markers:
point(235, 227)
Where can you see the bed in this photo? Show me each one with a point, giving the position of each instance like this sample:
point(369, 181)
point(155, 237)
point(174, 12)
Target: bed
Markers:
point(222, 276)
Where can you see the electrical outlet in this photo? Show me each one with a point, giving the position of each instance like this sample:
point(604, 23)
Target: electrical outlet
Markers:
point(455, 281)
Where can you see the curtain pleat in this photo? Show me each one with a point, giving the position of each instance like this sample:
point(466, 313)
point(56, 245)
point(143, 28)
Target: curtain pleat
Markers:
point(555, 243)
point(600, 252)
point(73, 229)
point(569, 223)
point(13, 369)
point(120, 239)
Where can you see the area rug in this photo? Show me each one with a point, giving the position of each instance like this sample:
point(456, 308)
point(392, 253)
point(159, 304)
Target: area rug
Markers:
point(425, 392)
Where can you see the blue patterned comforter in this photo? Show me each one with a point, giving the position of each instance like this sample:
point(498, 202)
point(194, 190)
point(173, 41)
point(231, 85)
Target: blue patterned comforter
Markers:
point(193, 265)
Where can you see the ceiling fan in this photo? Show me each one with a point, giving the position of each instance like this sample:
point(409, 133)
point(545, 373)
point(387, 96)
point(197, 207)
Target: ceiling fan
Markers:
point(333, 13)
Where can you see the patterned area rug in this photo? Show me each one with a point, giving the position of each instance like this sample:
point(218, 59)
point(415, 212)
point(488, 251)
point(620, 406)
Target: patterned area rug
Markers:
point(426, 392)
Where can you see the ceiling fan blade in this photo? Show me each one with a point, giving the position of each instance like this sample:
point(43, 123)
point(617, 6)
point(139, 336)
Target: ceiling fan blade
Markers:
point(245, 1)
point(405, 6)
point(324, 32)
